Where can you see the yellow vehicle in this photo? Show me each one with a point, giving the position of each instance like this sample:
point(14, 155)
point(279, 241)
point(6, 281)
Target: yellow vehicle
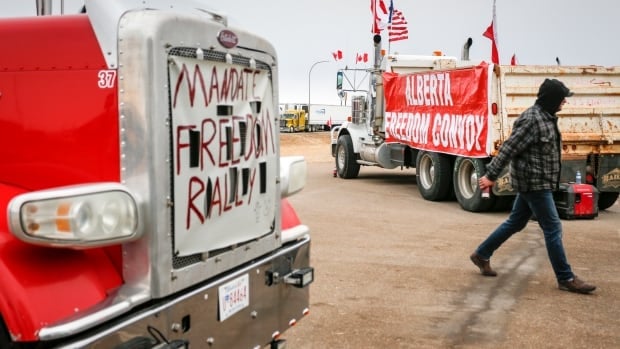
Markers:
point(294, 120)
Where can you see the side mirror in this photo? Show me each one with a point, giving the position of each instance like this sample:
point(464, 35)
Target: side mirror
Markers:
point(339, 78)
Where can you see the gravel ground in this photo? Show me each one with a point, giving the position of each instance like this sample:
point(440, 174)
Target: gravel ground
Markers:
point(392, 270)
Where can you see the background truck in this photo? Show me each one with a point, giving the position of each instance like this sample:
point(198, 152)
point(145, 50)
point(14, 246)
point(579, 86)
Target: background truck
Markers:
point(294, 120)
point(448, 118)
point(325, 116)
point(319, 117)
point(141, 179)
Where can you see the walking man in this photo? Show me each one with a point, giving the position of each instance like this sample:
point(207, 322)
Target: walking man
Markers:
point(534, 147)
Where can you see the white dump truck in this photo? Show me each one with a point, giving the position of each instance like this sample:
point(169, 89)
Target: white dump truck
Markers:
point(447, 118)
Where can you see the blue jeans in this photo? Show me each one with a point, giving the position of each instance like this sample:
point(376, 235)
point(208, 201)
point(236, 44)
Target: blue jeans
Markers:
point(542, 205)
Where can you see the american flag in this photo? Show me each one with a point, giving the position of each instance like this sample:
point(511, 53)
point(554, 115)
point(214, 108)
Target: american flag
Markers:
point(398, 27)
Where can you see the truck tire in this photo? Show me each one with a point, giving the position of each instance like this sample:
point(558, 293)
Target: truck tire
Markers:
point(433, 175)
point(346, 160)
point(468, 194)
point(606, 199)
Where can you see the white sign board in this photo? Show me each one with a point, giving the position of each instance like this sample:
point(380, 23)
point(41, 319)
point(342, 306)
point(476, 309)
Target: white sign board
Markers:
point(225, 154)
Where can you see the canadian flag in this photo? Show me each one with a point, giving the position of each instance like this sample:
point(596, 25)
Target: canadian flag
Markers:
point(513, 60)
point(337, 55)
point(361, 57)
point(491, 33)
point(380, 14)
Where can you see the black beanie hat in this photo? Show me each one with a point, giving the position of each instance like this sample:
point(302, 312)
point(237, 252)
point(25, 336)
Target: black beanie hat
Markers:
point(551, 94)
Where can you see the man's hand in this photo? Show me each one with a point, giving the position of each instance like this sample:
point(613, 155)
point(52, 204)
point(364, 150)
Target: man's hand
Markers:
point(484, 182)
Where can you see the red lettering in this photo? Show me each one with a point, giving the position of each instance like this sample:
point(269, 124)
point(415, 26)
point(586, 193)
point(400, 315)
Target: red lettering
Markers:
point(223, 143)
point(234, 78)
point(217, 197)
point(190, 202)
point(235, 84)
point(215, 85)
point(191, 85)
point(205, 141)
point(240, 86)
point(252, 178)
point(238, 200)
point(225, 90)
point(268, 128)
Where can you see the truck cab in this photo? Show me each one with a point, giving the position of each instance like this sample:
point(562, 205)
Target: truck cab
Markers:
point(293, 120)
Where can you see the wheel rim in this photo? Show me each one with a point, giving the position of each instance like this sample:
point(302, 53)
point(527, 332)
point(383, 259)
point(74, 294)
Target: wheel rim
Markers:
point(427, 172)
point(467, 179)
point(340, 156)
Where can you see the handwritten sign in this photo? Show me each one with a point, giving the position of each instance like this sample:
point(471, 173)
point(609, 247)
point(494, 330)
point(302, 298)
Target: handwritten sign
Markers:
point(224, 151)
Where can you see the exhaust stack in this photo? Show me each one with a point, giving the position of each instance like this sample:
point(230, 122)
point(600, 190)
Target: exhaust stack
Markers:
point(44, 7)
point(465, 53)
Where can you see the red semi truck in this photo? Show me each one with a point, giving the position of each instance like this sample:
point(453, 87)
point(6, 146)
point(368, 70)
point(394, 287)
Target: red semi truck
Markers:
point(141, 177)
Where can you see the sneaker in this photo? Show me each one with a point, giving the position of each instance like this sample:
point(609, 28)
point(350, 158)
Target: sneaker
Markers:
point(483, 264)
point(576, 285)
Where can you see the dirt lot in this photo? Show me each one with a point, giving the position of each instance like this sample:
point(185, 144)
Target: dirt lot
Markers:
point(392, 270)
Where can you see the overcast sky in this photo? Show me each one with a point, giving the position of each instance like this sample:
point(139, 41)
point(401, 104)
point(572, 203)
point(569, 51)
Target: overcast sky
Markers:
point(307, 31)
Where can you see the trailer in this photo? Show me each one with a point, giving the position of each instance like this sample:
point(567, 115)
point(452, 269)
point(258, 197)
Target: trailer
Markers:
point(447, 118)
point(323, 116)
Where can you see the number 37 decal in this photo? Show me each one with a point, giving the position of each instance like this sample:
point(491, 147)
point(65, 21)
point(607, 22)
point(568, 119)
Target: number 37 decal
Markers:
point(106, 78)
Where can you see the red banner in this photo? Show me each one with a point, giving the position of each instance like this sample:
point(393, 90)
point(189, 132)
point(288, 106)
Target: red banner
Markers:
point(442, 111)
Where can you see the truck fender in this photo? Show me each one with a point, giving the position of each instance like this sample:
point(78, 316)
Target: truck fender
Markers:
point(45, 285)
point(288, 217)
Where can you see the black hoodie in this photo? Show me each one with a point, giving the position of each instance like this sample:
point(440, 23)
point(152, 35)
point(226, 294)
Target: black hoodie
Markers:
point(551, 94)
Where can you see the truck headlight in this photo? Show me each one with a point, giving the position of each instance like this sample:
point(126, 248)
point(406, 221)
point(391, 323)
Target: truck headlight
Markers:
point(75, 217)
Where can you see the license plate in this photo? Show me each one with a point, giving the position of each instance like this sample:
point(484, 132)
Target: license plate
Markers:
point(234, 296)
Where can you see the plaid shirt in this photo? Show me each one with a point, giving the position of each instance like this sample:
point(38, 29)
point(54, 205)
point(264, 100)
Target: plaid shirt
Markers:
point(534, 148)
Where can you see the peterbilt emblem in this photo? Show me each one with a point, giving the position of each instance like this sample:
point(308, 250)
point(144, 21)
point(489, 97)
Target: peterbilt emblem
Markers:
point(227, 38)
